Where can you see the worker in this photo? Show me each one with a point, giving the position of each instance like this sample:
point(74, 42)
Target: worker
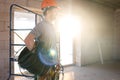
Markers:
point(45, 31)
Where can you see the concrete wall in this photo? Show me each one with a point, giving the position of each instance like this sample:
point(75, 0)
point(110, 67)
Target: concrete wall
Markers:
point(117, 35)
point(4, 31)
point(97, 29)
point(96, 33)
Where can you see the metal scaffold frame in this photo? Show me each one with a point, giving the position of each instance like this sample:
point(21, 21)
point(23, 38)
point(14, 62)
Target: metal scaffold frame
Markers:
point(10, 38)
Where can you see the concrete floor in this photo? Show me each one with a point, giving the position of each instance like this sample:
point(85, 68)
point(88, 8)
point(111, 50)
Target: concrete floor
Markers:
point(106, 71)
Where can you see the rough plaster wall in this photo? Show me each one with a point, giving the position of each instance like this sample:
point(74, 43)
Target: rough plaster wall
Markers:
point(98, 25)
point(97, 30)
point(116, 54)
point(4, 31)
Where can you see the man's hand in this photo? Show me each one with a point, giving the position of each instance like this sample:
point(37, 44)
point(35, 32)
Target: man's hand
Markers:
point(29, 41)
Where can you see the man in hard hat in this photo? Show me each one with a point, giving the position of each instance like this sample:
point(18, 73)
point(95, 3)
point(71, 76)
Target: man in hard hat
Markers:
point(49, 13)
point(45, 30)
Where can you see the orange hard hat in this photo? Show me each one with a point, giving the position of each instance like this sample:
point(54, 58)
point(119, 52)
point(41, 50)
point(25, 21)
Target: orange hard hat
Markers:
point(47, 3)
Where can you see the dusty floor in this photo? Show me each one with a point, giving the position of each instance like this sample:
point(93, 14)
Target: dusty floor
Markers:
point(107, 71)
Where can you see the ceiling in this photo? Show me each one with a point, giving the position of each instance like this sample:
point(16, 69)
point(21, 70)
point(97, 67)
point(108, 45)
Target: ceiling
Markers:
point(110, 3)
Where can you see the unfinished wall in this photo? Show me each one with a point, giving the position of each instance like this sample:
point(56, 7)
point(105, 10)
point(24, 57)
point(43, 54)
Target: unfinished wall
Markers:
point(4, 31)
point(97, 32)
point(116, 54)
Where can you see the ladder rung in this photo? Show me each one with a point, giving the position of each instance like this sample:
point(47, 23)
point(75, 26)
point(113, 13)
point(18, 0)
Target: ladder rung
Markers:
point(13, 59)
point(17, 44)
point(23, 75)
point(20, 29)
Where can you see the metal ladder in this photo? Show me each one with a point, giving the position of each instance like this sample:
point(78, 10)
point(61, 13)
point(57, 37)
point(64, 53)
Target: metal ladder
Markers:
point(12, 59)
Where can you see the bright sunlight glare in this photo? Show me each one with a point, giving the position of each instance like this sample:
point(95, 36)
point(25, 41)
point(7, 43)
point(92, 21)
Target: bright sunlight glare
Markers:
point(69, 25)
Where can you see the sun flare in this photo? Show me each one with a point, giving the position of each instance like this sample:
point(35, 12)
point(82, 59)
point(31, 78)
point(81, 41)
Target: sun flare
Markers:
point(69, 25)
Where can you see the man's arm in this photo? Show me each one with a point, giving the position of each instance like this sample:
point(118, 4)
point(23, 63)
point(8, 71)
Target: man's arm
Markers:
point(29, 41)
